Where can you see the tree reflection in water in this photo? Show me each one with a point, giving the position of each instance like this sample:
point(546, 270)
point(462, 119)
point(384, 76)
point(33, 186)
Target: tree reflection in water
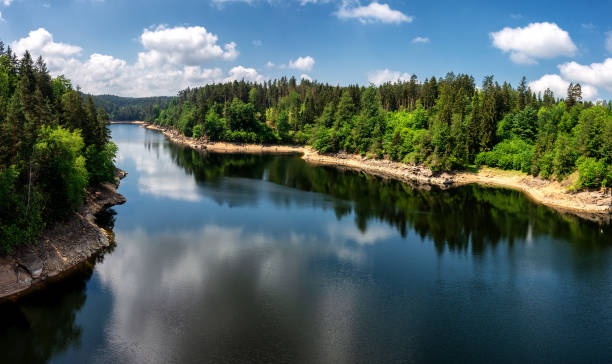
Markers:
point(38, 326)
point(470, 217)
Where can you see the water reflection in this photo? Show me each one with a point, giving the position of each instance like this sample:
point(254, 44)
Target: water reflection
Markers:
point(470, 217)
point(42, 325)
point(268, 259)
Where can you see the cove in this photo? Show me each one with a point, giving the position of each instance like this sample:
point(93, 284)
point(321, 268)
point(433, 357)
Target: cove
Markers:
point(230, 258)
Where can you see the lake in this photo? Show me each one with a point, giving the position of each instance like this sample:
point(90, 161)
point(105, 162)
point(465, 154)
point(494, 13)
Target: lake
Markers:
point(262, 258)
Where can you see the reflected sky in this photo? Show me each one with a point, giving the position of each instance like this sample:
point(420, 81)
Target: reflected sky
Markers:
point(268, 259)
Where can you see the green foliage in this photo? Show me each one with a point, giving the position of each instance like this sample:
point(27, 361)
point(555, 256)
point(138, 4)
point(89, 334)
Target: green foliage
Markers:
point(445, 123)
point(511, 154)
point(186, 119)
point(241, 116)
point(45, 128)
point(198, 131)
point(101, 163)
point(324, 140)
point(214, 126)
point(61, 171)
point(20, 217)
point(593, 173)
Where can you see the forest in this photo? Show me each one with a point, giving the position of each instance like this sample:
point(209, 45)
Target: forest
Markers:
point(53, 144)
point(129, 108)
point(447, 123)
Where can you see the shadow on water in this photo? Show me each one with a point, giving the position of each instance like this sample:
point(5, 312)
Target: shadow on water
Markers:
point(38, 326)
point(465, 218)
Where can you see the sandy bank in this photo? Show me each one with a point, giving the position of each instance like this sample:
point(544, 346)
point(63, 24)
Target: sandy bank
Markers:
point(592, 205)
point(61, 248)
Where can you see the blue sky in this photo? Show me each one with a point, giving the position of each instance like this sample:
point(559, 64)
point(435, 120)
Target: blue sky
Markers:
point(142, 48)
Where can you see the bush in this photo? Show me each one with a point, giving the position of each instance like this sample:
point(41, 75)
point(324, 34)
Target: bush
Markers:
point(214, 126)
point(61, 171)
point(512, 154)
point(101, 163)
point(324, 140)
point(198, 131)
point(592, 173)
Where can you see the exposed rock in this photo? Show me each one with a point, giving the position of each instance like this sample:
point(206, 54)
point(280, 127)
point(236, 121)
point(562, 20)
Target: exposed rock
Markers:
point(62, 247)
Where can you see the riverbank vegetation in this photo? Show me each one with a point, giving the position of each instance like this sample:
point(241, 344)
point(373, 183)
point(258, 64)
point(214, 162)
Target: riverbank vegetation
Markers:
point(130, 108)
point(53, 144)
point(446, 124)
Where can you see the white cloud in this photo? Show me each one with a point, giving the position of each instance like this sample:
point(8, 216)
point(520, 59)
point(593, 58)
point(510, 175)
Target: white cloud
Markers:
point(302, 63)
point(239, 73)
point(305, 77)
point(7, 2)
point(40, 43)
point(420, 40)
point(375, 12)
point(162, 70)
point(609, 41)
point(536, 40)
point(185, 46)
point(559, 87)
point(379, 77)
point(270, 64)
point(257, 43)
point(1, 18)
point(597, 74)
point(305, 2)
point(588, 26)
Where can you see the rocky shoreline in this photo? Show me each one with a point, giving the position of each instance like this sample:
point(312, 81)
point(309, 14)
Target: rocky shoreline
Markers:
point(594, 205)
point(61, 248)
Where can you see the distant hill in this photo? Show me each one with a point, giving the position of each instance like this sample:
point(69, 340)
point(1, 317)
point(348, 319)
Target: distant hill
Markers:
point(131, 108)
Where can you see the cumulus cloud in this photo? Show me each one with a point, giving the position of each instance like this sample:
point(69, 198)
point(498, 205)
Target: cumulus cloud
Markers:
point(239, 73)
point(305, 77)
point(597, 74)
point(375, 12)
point(302, 63)
point(535, 41)
point(420, 40)
point(188, 46)
point(559, 87)
point(7, 2)
point(170, 62)
point(40, 43)
point(379, 77)
point(270, 64)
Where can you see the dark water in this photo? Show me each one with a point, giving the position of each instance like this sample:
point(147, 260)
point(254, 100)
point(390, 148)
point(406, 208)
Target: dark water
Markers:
point(268, 259)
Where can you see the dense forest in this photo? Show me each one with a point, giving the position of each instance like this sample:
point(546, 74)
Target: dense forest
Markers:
point(130, 108)
point(445, 123)
point(53, 144)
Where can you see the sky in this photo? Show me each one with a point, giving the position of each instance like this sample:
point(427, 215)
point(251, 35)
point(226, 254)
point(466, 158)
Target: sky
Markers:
point(152, 48)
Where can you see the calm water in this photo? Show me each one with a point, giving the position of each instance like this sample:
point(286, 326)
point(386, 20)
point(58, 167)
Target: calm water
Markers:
point(266, 258)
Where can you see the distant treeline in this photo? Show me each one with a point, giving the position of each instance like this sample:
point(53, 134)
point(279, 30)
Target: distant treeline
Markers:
point(53, 144)
point(445, 123)
point(130, 108)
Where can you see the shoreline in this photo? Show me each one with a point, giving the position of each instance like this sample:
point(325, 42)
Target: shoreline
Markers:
point(591, 205)
point(62, 248)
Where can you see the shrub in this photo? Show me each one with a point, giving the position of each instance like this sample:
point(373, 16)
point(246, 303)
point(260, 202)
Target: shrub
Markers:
point(512, 154)
point(61, 171)
point(592, 173)
point(198, 131)
point(101, 163)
